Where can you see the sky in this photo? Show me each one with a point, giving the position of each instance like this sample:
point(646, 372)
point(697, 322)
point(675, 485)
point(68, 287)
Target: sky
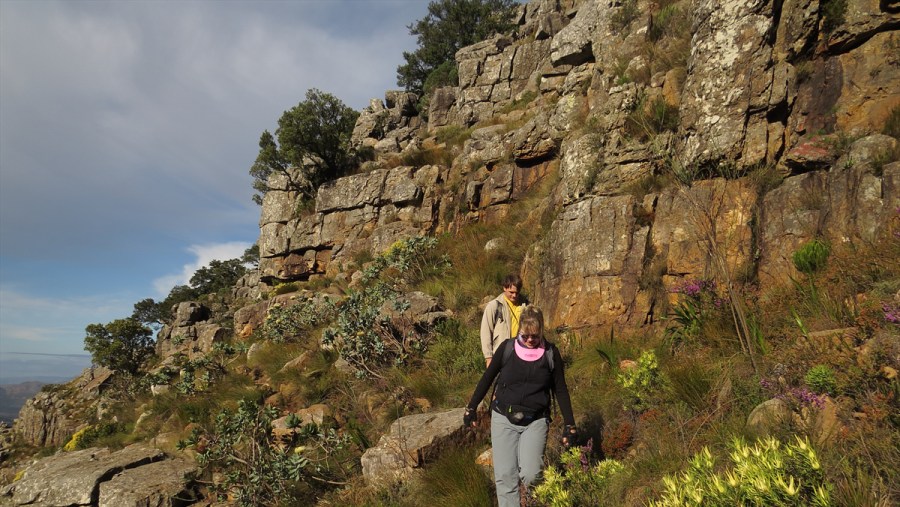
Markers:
point(127, 129)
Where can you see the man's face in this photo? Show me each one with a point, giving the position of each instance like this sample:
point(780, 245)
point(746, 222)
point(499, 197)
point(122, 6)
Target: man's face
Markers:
point(511, 293)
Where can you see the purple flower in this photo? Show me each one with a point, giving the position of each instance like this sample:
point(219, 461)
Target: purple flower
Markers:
point(804, 397)
point(891, 313)
point(586, 454)
point(695, 288)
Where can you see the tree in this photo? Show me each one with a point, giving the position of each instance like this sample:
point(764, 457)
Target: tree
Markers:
point(150, 313)
point(312, 145)
point(251, 256)
point(217, 276)
point(123, 345)
point(450, 26)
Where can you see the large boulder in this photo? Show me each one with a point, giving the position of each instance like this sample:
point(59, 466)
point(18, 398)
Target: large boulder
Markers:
point(409, 443)
point(164, 483)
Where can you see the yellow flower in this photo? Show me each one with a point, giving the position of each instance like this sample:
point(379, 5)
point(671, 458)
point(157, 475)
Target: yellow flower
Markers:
point(72, 444)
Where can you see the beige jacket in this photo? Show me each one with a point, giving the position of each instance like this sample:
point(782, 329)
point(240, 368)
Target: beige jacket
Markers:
point(494, 325)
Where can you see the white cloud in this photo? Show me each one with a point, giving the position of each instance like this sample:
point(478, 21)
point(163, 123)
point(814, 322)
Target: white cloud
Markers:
point(53, 325)
point(204, 254)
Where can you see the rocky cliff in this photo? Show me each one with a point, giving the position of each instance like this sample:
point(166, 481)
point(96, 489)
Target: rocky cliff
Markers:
point(747, 109)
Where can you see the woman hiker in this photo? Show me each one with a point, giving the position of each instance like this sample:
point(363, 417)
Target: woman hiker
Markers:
point(527, 370)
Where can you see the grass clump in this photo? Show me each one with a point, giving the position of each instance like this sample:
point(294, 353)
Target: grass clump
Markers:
point(811, 257)
point(624, 15)
point(651, 118)
point(833, 14)
point(892, 124)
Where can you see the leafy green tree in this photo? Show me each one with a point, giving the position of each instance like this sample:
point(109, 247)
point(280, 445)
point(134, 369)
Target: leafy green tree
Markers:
point(123, 344)
point(251, 255)
point(150, 313)
point(312, 145)
point(450, 26)
point(217, 276)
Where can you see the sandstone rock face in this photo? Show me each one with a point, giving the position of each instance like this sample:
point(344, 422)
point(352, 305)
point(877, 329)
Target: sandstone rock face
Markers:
point(593, 247)
point(847, 204)
point(100, 477)
point(190, 332)
point(408, 444)
point(728, 89)
point(368, 211)
point(386, 125)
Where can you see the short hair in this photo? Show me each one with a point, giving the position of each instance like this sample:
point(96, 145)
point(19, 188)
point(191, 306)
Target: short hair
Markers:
point(531, 321)
point(512, 279)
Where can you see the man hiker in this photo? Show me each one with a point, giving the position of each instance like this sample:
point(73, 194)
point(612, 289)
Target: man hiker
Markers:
point(501, 317)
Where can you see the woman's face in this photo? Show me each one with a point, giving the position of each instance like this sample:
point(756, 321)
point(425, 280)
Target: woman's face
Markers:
point(531, 341)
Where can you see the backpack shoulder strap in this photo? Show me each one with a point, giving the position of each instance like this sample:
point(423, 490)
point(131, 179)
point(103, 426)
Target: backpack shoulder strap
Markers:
point(498, 311)
point(507, 351)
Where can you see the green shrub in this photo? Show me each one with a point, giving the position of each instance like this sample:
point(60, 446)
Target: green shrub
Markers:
point(767, 473)
point(361, 333)
point(642, 383)
point(256, 469)
point(285, 323)
point(576, 481)
point(91, 435)
point(453, 349)
point(811, 257)
point(821, 379)
point(284, 288)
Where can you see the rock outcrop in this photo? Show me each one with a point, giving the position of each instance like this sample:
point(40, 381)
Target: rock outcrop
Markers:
point(54, 414)
point(136, 475)
point(191, 332)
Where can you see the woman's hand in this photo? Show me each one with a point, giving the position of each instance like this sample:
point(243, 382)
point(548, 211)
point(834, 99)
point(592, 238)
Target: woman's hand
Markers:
point(569, 435)
point(470, 417)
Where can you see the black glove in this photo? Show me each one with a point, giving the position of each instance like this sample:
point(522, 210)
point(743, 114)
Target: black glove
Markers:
point(470, 417)
point(569, 435)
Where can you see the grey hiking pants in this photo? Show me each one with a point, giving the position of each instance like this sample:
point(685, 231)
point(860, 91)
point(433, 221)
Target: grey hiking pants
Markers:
point(518, 454)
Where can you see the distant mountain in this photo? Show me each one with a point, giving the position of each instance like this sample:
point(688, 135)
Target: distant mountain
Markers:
point(13, 396)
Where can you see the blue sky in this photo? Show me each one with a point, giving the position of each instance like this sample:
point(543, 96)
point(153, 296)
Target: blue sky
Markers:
point(126, 132)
